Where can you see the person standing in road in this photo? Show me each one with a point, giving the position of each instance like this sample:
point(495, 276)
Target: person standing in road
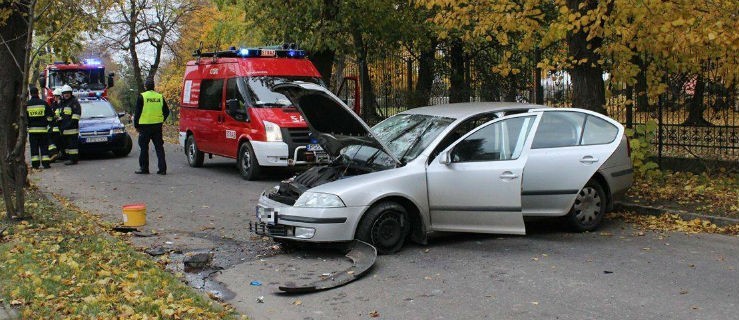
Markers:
point(69, 124)
point(39, 116)
point(55, 143)
point(151, 111)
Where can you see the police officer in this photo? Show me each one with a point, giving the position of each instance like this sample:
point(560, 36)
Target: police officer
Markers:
point(55, 145)
point(151, 111)
point(69, 124)
point(39, 116)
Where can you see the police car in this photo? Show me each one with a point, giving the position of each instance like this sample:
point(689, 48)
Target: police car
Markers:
point(101, 129)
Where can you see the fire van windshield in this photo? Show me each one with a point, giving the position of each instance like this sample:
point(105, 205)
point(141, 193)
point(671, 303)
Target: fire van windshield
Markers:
point(259, 93)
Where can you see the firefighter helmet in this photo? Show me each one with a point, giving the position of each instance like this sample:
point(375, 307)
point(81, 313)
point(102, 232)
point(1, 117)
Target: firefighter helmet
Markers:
point(66, 88)
point(58, 91)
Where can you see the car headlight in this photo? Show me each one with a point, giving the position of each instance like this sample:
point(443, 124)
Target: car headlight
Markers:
point(273, 131)
point(319, 200)
point(118, 130)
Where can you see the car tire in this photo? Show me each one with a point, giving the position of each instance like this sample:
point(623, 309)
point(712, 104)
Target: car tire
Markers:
point(247, 162)
point(385, 226)
point(127, 146)
point(589, 208)
point(195, 157)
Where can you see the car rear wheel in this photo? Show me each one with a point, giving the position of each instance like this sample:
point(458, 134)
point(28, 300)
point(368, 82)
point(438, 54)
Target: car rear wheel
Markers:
point(126, 149)
point(384, 226)
point(247, 162)
point(195, 157)
point(589, 207)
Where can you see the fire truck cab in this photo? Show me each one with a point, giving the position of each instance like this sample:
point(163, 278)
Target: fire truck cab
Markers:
point(87, 78)
point(228, 109)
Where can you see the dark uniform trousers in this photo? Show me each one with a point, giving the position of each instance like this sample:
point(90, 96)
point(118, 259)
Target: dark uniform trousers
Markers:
point(39, 149)
point(153, 133)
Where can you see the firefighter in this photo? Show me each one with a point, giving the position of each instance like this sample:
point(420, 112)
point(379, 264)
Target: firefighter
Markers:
point(69, 124)
point(55, 145)
point(151, 111)
point(39, 116)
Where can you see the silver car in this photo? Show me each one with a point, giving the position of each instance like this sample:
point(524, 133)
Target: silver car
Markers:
point(468, 167)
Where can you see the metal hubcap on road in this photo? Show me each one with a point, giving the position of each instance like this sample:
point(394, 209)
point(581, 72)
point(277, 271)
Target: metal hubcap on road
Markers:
point(386, 231)
point(587, 205)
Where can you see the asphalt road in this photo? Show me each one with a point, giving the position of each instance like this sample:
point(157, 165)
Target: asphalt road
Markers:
point(615, 273)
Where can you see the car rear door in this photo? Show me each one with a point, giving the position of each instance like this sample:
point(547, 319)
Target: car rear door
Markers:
point(566, 151)
point(475, 184)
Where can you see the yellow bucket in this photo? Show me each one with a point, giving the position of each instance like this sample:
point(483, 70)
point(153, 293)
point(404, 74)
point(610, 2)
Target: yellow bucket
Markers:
point(134, 215)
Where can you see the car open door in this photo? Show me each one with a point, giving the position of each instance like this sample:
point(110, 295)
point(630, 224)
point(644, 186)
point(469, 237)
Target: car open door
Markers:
point(475, 184)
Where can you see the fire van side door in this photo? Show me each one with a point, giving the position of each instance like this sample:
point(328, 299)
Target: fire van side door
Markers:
point(210, 107)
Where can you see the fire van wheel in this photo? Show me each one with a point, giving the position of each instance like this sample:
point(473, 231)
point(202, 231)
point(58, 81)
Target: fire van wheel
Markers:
point(589, 208)
point(247, 163)
point(384, 226)
point(195, 157)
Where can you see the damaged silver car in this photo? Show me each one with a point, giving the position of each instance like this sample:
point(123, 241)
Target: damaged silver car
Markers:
point(469, 167)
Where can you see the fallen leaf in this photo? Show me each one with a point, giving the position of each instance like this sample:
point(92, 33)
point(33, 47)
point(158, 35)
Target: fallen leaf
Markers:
point(536, 303)
point(374, 314)
point(297, 302)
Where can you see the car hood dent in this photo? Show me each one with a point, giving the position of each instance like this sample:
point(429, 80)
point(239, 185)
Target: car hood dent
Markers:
point(330, 120)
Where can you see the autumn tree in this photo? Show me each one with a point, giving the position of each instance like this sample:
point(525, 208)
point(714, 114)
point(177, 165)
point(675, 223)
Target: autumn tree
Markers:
point(145, 29)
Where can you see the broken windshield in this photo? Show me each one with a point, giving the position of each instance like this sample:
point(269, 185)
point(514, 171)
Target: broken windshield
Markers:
point(405, 135)
point(85, 79)
point(258, 89)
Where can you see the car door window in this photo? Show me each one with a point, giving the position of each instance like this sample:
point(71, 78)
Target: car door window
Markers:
point(211, 94)
point(460, 130)
point(502, 140)
point(559, 129)
point(598, 131)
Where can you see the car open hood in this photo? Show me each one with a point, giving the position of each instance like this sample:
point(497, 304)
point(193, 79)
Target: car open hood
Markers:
point(329, 119)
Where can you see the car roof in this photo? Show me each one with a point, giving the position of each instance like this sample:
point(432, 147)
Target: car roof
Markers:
point(466, 109)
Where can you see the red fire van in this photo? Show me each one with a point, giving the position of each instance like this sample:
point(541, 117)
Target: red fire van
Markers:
point(228, 109)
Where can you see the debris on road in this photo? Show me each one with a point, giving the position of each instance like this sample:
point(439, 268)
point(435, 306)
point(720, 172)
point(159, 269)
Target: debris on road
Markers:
point(362, 255)
point(196, 261)
point(157, 251)
point(260, 299)
point(255, 283)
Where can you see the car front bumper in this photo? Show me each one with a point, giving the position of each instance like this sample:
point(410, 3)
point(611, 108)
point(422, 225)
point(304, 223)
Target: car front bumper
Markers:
point(111, 142)
point(278, 220)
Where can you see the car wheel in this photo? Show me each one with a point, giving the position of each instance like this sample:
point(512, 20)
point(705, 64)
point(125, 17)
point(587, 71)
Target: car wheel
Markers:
point(195, 157)
point(247, 162)
point(384, 226)
point(127, 146)
point(589, 207)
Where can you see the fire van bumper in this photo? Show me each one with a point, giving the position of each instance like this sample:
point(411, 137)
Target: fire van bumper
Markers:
point(277, 154)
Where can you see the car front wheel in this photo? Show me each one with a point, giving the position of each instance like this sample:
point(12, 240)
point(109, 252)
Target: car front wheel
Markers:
point(589, 207)
point(247, 162)
point(195, 157)
point(384, 226)
point(126, 149)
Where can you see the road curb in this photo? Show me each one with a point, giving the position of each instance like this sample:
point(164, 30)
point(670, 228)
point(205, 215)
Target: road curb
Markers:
point(685, 215)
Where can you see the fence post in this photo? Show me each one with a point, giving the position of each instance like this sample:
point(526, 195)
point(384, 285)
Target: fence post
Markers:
point(630, 114)
point(660, 103)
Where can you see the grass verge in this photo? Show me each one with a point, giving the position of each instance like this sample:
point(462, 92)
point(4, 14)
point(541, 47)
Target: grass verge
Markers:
point(715, 195)
point(64, 264)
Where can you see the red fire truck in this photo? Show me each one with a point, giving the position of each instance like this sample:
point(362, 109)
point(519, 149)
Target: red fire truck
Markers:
point(87, 78)
point(228, 109)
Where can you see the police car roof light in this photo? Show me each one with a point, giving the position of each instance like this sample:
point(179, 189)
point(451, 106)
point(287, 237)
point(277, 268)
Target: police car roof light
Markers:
point(92, 61)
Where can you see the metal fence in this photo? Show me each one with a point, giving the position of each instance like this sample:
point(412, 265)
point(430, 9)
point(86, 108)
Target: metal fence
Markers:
point(707, 129)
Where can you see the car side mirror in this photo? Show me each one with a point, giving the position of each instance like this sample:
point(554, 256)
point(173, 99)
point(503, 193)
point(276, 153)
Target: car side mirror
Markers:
point(121, 114)
point(445, 158)
point(110, 80)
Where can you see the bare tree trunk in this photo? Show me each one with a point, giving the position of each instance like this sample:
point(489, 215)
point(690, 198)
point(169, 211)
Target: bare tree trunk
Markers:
point(538, 89)
point(369, 107)
point(425, 75)
point(697, 106)
point(16, 41)
point(324, 61)
point(458, 90)
point(588, 87)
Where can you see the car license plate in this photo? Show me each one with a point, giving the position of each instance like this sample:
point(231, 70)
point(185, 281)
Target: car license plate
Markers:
point(96, 139)
point(314, 147)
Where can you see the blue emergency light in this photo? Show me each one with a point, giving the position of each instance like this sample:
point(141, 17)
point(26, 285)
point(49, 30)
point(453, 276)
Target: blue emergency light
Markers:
point(92, 61)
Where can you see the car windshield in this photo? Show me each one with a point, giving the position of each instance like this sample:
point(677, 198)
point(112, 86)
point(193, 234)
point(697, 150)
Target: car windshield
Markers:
point(85, 79)
point(258, 90)
point(405, 135)
point(97, 109)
